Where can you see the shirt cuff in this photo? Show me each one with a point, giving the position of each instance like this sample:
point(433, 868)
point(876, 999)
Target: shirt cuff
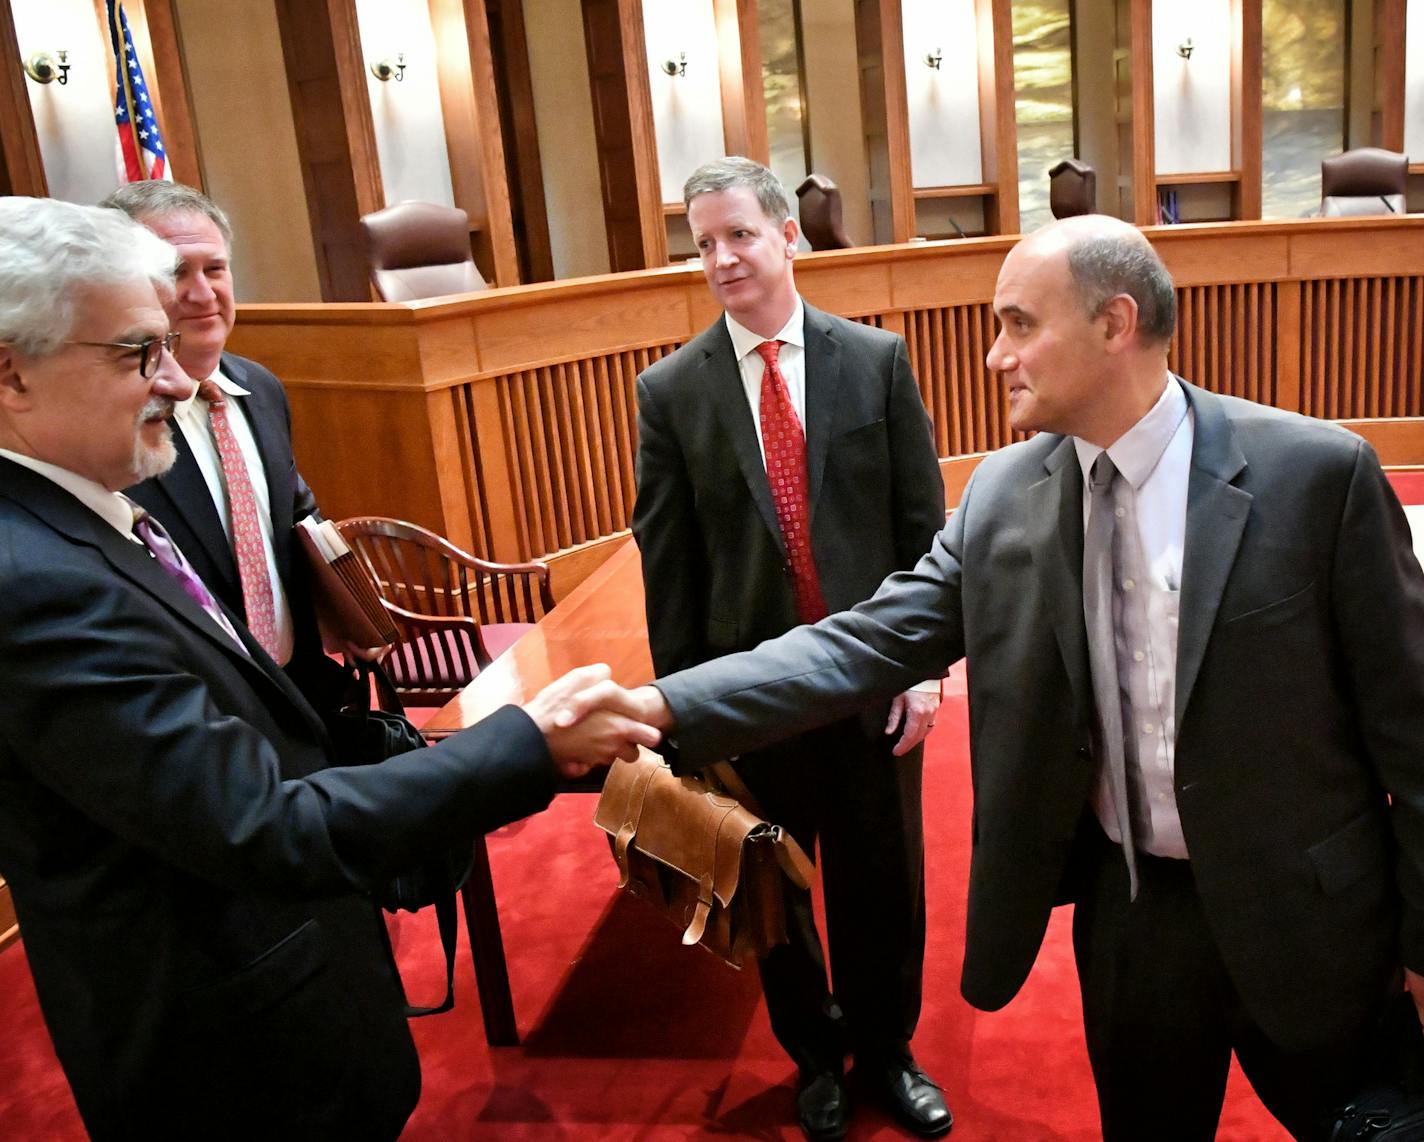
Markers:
point(929, 686)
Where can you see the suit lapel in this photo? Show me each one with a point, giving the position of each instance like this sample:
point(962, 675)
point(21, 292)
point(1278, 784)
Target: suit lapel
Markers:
point(1054, 525)
point(1216, 519)
point(823, 381)
point(185, 488)
point(721, 381)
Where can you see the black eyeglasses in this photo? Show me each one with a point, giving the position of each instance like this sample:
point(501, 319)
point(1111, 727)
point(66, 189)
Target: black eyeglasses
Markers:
point(150, 349)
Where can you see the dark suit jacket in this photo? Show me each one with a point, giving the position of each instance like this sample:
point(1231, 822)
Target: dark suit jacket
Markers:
point(189, 870)
point(180, 500)
point(1300, 705)
point(713, 559)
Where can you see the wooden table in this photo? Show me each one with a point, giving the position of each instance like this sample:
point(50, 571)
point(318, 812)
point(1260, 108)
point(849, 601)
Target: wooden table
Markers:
point(601, 620)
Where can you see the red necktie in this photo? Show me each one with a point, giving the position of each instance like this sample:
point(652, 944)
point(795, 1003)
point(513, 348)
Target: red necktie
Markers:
point(247, 545)
point(785, 446)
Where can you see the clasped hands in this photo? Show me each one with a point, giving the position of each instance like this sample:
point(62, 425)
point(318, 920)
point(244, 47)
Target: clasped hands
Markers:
point(589, 720)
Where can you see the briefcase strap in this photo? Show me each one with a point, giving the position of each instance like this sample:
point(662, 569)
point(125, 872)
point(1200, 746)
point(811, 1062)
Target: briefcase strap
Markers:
point(624, 837)
point(790, 855)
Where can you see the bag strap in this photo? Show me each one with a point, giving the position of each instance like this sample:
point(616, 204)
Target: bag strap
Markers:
point(731, 782)
point(447, 916)
point(789, 854)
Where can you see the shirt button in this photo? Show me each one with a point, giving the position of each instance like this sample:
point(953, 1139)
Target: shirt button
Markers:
point(1128, 584)
point(1119, 512)
point(1148, 727)
point(1138, 656)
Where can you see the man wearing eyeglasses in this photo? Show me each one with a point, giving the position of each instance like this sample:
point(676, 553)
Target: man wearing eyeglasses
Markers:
point(234, 491)
point(190, 861)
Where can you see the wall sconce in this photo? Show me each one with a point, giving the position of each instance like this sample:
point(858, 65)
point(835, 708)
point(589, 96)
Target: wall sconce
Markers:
point(933, 59)
point(676, 66)
point(1185, 48)
point(44, 67)
point(386, 69)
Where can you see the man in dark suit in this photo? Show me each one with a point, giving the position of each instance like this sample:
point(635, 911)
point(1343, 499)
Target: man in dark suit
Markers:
point(1251, 877)
point(191, 868)
point(749, 523)
point(234, 492)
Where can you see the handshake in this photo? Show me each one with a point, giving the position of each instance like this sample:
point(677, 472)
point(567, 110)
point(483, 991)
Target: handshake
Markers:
point(589, 720)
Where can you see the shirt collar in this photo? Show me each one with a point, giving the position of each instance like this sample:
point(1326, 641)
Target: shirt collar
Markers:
point(1136, 452)
point(744, 341)
point(223, 382)
point(112, 508)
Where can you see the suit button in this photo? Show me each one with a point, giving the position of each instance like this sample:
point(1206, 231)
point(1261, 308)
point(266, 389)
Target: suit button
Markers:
point(1085, 753)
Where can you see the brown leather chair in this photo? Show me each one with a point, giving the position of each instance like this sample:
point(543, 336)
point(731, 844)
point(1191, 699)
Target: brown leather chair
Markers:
point(821, 214)
point(1366, 180)
point(455, 613)
point(419, 249)
point(1072, 189)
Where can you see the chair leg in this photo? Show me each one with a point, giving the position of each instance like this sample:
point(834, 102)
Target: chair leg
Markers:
point(487, 952)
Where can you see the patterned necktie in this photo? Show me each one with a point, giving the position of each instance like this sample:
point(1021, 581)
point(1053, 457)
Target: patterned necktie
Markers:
point(246, 524)
point(785, 447)
point(1100, 575)
point(166, 554)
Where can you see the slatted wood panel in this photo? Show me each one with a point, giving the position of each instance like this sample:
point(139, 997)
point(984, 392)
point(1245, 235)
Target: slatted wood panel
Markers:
point(968, 405)
point(1226, 339)
point(570, 433)
point(1360, 347)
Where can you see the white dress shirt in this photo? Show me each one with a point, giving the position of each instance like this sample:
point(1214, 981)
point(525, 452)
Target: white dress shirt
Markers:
point(109, 506)
point(192, 418)
point(1150, 501)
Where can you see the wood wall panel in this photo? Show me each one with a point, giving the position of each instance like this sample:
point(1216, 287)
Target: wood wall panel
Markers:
point(510, 415)
point(9, 929)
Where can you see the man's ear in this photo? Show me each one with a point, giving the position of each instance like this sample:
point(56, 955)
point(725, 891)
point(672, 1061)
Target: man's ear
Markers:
point(14, 393)
point(1119, 323)
point(792, 232)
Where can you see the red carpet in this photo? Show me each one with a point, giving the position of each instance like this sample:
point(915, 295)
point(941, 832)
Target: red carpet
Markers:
point(628, 1035)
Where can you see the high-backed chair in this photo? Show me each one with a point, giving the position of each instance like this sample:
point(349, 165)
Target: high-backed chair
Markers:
point(1072, 189)
point(419, 249)
point(455, 612)
point(1366, 180)
point(821, 214)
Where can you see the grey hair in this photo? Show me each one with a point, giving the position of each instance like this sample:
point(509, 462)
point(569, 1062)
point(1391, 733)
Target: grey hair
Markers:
point(734, 171)
point(1106, 265)
point(51, 252)
point(154, 198)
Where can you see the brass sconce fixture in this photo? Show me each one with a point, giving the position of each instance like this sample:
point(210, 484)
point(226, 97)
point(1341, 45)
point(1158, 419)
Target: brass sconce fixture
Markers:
point(387, 69)
point(933, 59)
point(44, 67)
point(676, 66)
point(1185, 48)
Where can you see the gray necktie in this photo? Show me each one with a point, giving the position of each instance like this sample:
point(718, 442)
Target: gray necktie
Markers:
point(1100, 578)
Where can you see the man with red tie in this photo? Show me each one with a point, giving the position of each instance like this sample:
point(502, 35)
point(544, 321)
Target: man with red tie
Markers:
point(233, 494)
point(786, 466)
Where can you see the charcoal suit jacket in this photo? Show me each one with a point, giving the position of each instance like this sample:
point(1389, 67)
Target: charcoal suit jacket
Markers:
point(190, 865)
point(181, 501)
point(1299, 770)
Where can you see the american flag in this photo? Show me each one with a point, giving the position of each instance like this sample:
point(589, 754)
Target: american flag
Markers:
point(141, 153)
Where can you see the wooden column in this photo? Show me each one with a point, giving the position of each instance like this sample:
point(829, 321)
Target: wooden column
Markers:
point(739, 65)
point(998, 126)
point(472, 133)
point(1246, 139)
point(879, 35)
point(21, 165)
point(1135, 34)
point(336, 143)
point(623, 124)
point(1390, 16)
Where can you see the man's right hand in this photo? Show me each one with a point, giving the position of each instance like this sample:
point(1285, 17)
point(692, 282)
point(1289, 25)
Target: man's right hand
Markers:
point(646, 704)
point(602, 731)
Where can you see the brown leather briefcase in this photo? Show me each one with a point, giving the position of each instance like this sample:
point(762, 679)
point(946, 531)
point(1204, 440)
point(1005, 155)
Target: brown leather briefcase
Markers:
point(701, 857)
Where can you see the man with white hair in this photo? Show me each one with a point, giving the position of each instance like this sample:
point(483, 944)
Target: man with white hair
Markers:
point(190, 866)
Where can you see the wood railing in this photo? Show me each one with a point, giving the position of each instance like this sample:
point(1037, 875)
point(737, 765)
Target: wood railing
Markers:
point(506, 420)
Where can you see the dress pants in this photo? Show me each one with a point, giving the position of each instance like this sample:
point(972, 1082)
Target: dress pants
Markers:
point(840, 786)
point(1162, 1018)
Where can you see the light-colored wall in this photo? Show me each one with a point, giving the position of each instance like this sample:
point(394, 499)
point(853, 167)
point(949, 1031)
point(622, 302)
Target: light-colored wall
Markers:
point(568, 151)
point(833, 95)
point(1192, 97)
point(943, 104)
point(248, 146)
point(1094, 71)
point(405, 113)
point(1414, 81)
point(75, 122)
point(687, 109)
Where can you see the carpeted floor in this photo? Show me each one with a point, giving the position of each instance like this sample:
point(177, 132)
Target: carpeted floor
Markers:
point(628, 1035)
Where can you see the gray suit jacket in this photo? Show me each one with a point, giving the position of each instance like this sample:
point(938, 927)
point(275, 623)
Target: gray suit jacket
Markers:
point(1300, 705)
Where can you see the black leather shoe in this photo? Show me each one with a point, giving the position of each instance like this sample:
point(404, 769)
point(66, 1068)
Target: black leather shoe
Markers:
point(822, 1106)
point(910, 1095)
